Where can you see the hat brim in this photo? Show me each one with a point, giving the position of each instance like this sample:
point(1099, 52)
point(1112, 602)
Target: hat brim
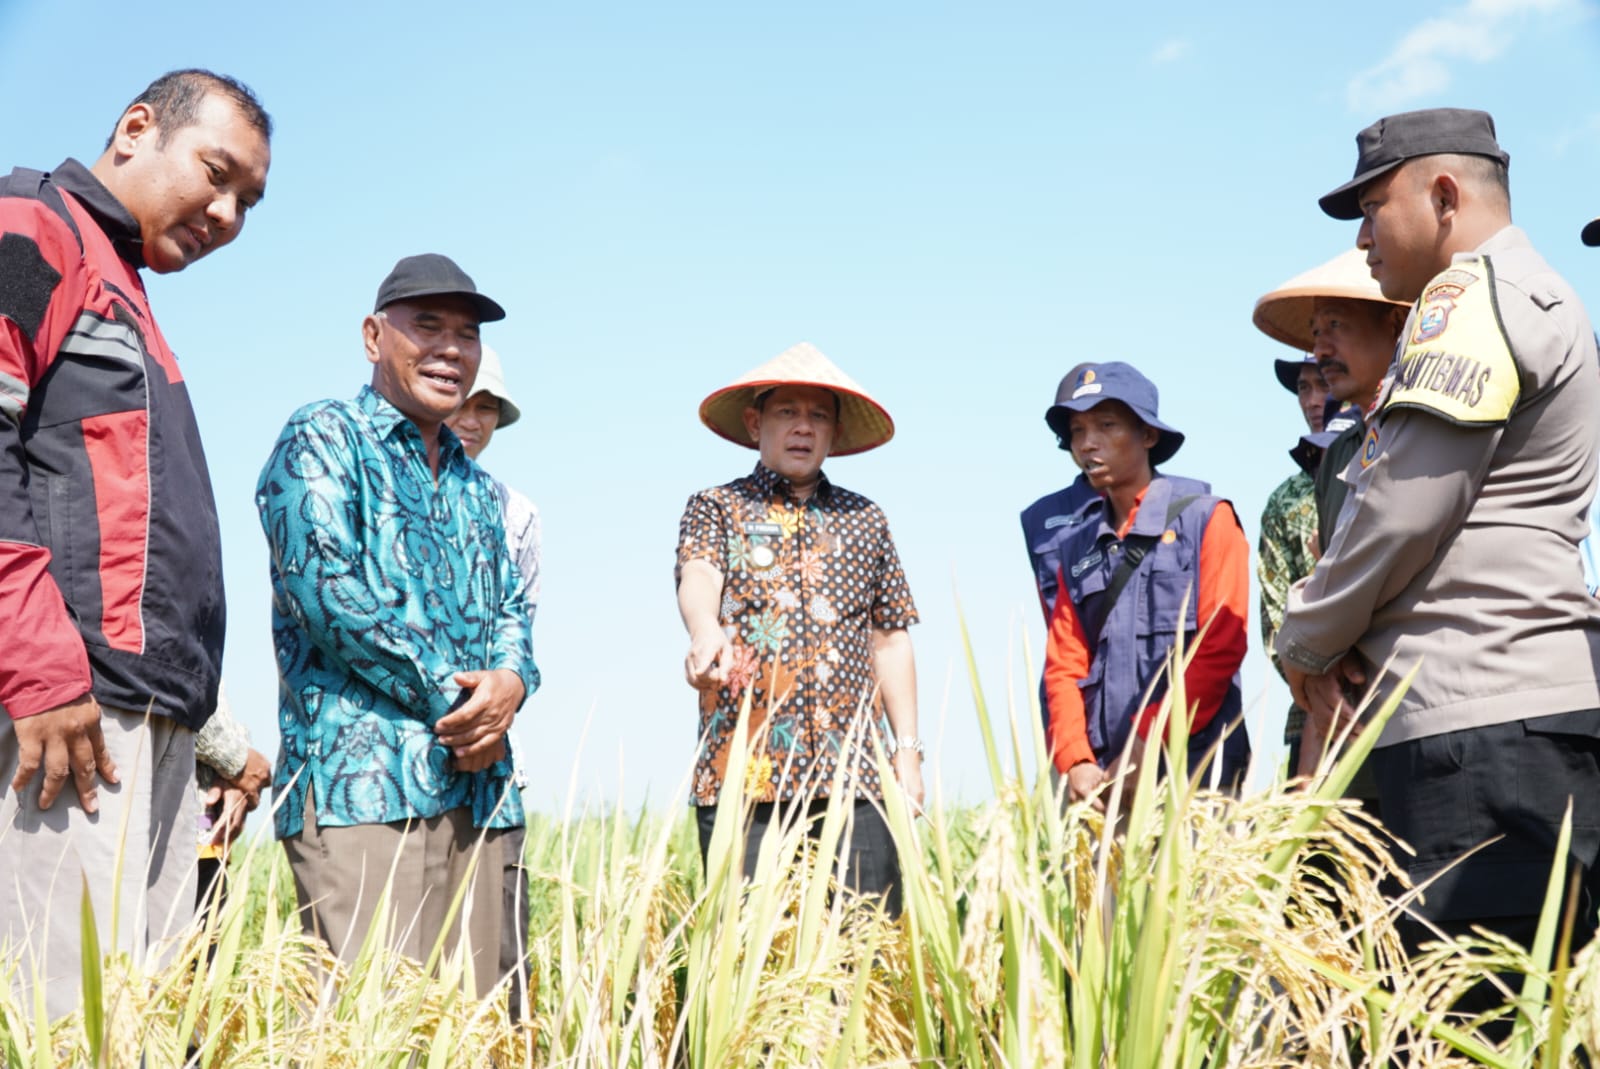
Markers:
point(1288, 372)
point(509, 412)
point(1170, 439)
point(489, 311)
point(1591, 233)
point(863, 423)
point(1345, 202)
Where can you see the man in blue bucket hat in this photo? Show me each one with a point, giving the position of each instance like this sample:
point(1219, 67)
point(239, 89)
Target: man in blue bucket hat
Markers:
point(1149, 560)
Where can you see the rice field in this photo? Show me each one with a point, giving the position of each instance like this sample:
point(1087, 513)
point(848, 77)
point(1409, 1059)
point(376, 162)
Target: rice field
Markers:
point(1191, 931)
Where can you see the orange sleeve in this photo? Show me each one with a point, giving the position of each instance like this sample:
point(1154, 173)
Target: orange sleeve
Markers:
point(1223, 608)
point(1066, 661)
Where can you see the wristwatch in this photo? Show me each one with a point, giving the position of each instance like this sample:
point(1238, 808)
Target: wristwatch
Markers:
point(912, 743)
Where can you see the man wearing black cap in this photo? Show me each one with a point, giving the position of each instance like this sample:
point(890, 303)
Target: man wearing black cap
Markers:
point(1590, 547)
point(1286, 551)
point(1458, 554)
point(1147, 562)
point(402, 635)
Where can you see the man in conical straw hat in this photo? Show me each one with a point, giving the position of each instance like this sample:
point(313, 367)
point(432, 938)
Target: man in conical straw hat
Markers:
point(1336, 312)
point(791, 589)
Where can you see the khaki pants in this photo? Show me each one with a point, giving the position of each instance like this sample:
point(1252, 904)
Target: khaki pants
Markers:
point(47, 855)
point(339, 874)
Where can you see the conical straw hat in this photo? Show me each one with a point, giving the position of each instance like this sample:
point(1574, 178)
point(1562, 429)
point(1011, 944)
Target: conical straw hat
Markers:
point(1285, 313)
point(863, 423)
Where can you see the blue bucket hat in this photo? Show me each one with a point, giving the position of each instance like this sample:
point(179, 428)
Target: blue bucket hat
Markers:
point(1088, 385)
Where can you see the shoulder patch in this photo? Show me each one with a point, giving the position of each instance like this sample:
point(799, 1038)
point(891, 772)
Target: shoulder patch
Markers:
point(1457, 362)
point(27, 282)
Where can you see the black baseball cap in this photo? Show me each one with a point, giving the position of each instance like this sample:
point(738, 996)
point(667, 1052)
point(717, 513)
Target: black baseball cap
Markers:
point(1591, 233)
point(1391, 141)
point(433, 275)
point(1288, 371)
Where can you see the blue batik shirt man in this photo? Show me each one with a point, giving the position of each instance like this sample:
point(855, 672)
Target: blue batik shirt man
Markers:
point(401, 630)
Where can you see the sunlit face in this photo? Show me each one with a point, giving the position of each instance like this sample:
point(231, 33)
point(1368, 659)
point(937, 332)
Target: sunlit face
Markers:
point(191, 194)
point(1112, 446)
point(475, 422)
point(1353, 346)
point(1312, 390)
point(425, 353)
point(1400, 230)
point(794, 430)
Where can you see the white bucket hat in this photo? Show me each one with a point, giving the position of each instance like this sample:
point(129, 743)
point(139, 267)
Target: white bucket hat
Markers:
point(1285, 313)
point(863, 423)
point(492, 381)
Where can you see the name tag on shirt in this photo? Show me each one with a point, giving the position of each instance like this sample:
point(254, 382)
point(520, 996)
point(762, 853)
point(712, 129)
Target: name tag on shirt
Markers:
point(1086, 563)
point(763, 530)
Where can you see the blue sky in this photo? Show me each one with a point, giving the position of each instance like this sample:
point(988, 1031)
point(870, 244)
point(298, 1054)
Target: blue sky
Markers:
point(956, 203)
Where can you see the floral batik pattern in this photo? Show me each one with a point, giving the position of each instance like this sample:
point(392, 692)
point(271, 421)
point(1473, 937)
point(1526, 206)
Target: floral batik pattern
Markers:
point(804, 586)
point(1284, 556)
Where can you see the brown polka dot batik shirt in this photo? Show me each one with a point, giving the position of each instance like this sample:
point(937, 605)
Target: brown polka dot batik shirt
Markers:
point(804, 584)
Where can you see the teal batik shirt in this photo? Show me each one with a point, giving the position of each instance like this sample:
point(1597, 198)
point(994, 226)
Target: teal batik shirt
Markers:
point(384, 585)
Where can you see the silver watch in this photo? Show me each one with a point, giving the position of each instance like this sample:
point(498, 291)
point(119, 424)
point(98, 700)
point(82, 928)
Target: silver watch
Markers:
point(912, 743)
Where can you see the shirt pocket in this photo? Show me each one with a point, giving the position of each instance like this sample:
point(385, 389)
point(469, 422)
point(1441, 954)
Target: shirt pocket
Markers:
point(1167, 583)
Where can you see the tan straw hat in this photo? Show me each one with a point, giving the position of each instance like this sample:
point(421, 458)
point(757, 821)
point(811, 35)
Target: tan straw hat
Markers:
point(1285, 313)
point(863, 423)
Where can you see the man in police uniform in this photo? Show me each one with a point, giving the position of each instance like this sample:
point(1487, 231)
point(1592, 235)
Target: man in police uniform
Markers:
point(1459, 552)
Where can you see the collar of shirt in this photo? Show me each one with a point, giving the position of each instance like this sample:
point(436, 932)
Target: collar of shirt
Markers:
point(1502, 240)
point(772, 484)
point(385, 418)
point(118, 223)
point(1156, 494)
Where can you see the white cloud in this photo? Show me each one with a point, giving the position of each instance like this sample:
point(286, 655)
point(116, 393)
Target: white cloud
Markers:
point(1169, 51)
point(1426, 56)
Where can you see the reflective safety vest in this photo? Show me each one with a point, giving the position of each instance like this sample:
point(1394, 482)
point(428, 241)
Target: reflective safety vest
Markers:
point(1131, 642)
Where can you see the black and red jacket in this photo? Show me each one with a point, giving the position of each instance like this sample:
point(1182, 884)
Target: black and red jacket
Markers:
point(110, 560)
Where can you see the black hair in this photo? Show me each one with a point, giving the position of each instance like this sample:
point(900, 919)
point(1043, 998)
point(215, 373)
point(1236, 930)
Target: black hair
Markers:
point(761, 399)
point(174, 99)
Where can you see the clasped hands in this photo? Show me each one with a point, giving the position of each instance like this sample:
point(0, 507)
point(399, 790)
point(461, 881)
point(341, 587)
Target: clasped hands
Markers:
point(475, 731)
point(1328, 712)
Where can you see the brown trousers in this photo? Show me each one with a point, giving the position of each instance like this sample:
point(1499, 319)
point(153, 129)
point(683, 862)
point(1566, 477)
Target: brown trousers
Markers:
point(339, 874)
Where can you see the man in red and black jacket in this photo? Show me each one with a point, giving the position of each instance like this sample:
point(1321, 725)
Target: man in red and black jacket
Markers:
point(111, 601)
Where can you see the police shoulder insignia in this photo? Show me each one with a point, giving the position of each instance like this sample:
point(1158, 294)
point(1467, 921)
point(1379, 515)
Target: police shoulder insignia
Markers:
point(1456, 362)
point(1369, 447)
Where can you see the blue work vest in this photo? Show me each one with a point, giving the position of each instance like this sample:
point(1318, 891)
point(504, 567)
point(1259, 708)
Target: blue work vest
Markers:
point(1044, 525)
point(1130, 647)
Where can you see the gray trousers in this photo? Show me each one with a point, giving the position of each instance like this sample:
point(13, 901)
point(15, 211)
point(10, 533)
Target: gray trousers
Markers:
point(50, 854)
point(339, 874)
